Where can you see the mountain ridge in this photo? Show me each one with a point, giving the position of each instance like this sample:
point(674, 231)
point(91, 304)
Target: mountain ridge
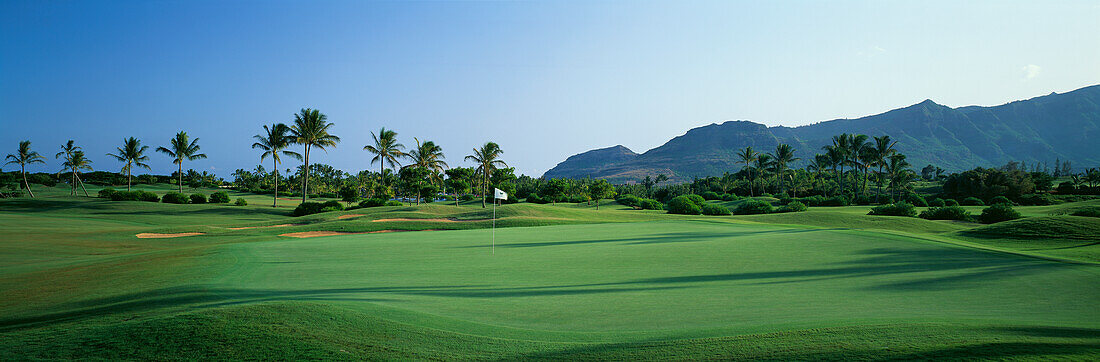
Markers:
point(1040, 129)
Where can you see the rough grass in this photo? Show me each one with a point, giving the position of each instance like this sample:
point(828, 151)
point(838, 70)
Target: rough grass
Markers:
point(1045, 227)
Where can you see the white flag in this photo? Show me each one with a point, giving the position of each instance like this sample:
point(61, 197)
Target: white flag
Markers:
point(501, 195)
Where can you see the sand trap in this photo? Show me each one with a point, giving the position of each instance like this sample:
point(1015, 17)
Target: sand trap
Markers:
point(155, 235)
point(348, 216)
point(313, 234)
point(260, 227)
point(429, 220)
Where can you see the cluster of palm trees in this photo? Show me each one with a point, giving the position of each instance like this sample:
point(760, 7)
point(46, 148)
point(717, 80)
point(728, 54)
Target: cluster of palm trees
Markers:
point(848, 153)
point(311, 131)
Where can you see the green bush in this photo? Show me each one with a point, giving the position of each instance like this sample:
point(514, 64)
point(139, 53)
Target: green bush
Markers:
point(198, 199)
point(711, 195)
point(862, 200)
point(1000, 200)
point(1093, 211)
point(372, 202)
point(947, 213)
point(997, 213)
point(750, 207)
point(684, 205)
point(240, 202)
point(392, 203)
point(730, 197)
point(140, 195)
point(714, 209)
point(629, 200)
point(698, 200)
point(916, 200)
point(174, 198)
point(793, 206)
point(972, 201)
point(220, 197)
point(147, 196)
point(836, 201)
point(815, 200)
point(651, 204)
point(895, 209)
point(950, 202)
point(937, 202)
point(333, 204)
point(307, 208)
point(106, 193)
point(1037, 200)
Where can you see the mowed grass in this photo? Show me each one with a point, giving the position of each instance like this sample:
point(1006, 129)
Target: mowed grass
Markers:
point(565, 282)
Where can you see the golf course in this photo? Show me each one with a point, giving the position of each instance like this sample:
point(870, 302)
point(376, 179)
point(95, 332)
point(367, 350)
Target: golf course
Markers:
point(564, 281)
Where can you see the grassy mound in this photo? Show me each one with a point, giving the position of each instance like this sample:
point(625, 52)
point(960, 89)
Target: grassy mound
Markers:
point(1045, 227)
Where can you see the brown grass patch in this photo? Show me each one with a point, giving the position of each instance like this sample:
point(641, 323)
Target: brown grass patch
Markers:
point(348, 216)
point(429, 220)
point(157, 236)
point(313, 234)
point(260, 227)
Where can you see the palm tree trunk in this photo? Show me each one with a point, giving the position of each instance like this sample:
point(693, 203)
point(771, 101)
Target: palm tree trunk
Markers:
point(128, 177)
point(73, 182)
point(305, 178)
point(23, 170)
point(180, 179)
point(82, 185)
point(485, 186)
point(275, 200)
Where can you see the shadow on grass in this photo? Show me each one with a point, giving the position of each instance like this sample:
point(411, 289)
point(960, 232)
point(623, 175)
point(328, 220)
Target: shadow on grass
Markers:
point(678, 237)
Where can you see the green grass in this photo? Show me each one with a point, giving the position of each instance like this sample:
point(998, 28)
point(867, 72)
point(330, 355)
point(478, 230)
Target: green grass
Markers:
point(565, 282)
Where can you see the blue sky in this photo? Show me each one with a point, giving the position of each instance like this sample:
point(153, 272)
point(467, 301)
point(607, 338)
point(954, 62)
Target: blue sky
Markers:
point(543, 79)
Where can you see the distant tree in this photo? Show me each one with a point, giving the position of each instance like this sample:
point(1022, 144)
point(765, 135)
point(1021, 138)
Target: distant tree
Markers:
point(783, 156)
point(488, 159)
point(747, 157)
point(132, 153)
point(928, 173)
point(818, 165)
point(386, 150)
point(24, 157)
point(74, 162)
point(882, 150)
point(311, 129)
point(459, 180)
point(900, 175)
point(600, 189)
point(181, 148)
point(554, 189)
point(274, 141)
point(67, 150)
point(660, 178)
point(763, 163)
point(429, 156)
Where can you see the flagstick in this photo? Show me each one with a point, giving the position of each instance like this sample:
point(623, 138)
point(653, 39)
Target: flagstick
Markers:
point(494, 225)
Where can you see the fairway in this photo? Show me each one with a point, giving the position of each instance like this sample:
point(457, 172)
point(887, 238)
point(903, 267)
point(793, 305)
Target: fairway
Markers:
point(685, 287)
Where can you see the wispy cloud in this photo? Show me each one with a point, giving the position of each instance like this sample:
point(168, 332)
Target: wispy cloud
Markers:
point(1031, 71)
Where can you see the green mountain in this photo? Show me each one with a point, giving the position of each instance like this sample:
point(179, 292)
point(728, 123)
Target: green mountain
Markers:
point(1042, 129)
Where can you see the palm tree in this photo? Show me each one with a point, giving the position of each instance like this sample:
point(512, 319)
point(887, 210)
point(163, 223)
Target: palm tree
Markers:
point(818, 165)
point(274, 141)
point(895, 166)
point(839, 151)
point(857, 153)
point(763, 162)
point(133, 154)
point(429, 156)
point(487, 159)
point(748, 156)
point(75, 161)
point(23, 158)
point(882, 150)
point(310, 130)
point(182, 149)
point(67, 150)
point(784, 155)
point(386, 150)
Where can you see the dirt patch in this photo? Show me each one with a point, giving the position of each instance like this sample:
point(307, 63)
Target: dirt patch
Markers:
point(260, 227)
point(348, 216)
point(313, 234)
point(157, 236)
point(429, 220)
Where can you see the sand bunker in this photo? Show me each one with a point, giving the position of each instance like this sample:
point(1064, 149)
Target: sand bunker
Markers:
point(260, 227)
point(348, 216)
point(429, 220)
point(313, 234)
point(156, 236)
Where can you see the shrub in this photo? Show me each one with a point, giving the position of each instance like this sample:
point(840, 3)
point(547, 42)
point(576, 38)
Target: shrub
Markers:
point(793, 206)
point(711, 195)
point(1088, 211)
point(307, 208)
point(862, 200)
point(240, 202)
point(950, 202)
point(198, 199)
point(140, 195)
point(651, 204)
point(683, 205)
point(1037, 200)
point(750, 207)
point(954, 212)
point(629, 200)
point(465, 197)
point(1000, 200)
point(972, 201)
point(372, 202)
point(916, 200)
point(998, 213)
point(698, 200)
point(106, 193)
point(220, 197)
point(836, 201)
point(333, 204)
point(147, 196)
point(937, 202)
point(895, 209)
point(815, 200)
point(330, 208)
point(392, 203)
point(535, 199)
point(174, 198)
point(715, 209)
point(730, 197)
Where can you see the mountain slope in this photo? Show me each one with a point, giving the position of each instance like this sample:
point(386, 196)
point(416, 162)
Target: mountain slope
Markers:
point(1042, 129)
